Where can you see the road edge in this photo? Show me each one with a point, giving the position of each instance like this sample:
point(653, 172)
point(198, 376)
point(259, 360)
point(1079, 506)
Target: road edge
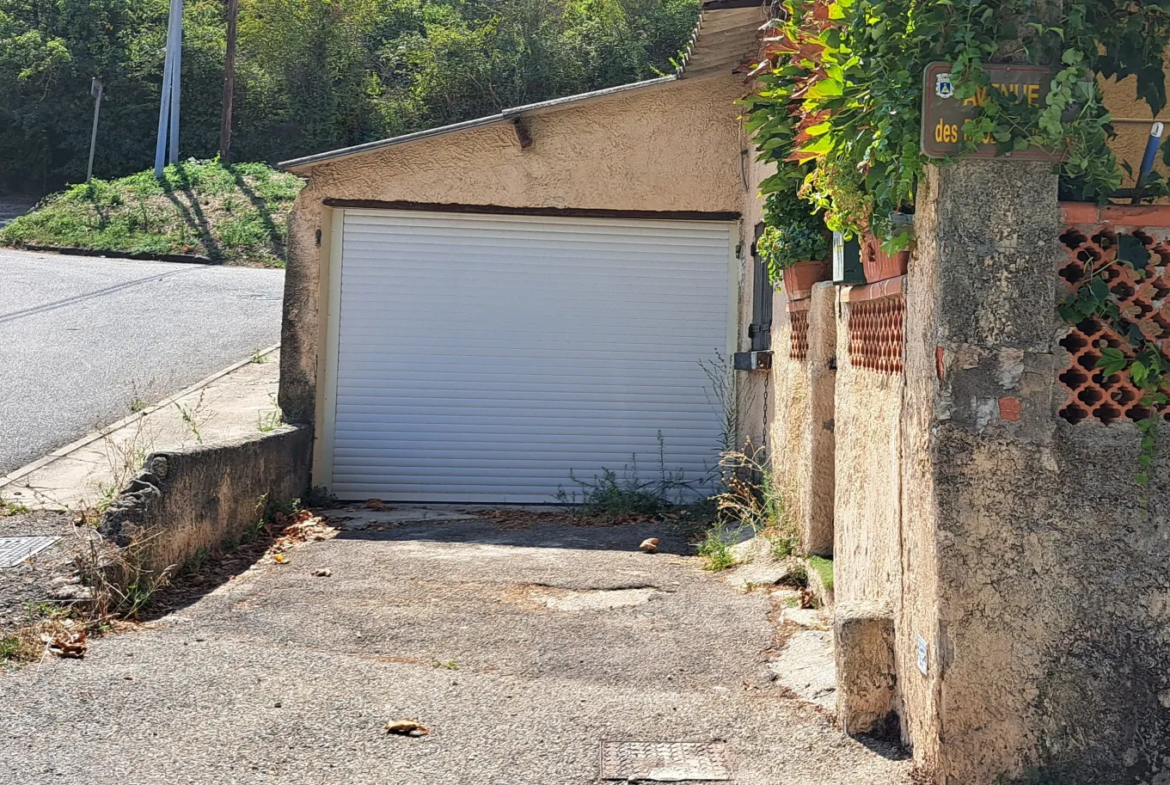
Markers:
point(101, 433)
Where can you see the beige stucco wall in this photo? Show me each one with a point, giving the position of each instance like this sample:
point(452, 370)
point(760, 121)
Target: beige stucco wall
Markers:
point(801, 421)
point(788, 413)
point(866, 562)
point(671, 147)
point(1131, 121)
point(758, 404)
point(916, 603)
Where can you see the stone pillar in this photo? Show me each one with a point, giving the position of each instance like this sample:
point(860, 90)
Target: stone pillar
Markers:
point(819, 441)
point(863, 634)
point(979, 471)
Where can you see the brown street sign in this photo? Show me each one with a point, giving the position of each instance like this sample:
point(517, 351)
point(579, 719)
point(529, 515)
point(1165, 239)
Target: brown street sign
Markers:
point(943, 115)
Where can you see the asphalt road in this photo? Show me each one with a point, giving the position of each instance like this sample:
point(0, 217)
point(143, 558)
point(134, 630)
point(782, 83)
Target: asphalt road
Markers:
point(83, 337)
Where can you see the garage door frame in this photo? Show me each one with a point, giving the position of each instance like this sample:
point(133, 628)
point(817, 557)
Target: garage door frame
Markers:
point(329, 285)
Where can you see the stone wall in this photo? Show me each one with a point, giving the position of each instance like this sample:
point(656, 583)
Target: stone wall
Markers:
point(802, 428)
point(868, 417)
point(788, 406)
point(197, 498)
point(1035, 568)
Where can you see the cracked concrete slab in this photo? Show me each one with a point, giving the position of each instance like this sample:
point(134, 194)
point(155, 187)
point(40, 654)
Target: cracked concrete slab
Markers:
point(280, 676)
point(806, 667)
point(570, 600)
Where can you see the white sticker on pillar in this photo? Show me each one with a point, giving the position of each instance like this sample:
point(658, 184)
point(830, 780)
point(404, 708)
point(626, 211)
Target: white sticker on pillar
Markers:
point(922, 650)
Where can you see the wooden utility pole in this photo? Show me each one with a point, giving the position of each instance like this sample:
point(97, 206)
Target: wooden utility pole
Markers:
point(229, 79)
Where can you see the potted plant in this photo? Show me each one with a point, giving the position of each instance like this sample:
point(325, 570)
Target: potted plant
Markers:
point(879, 264)
point(794, 246)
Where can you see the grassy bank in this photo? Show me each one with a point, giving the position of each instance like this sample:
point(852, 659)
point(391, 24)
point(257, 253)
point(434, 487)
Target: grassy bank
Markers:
point(233, 214)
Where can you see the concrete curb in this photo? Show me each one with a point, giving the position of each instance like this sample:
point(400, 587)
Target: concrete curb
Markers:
point(101, 433)
point(136, 256)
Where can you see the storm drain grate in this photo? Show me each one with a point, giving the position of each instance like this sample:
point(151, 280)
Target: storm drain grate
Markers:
point(665, 761)
point(14, 550)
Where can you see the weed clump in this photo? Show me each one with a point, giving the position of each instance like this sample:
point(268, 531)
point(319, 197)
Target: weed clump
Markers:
point(613, 496)
point(749, 500)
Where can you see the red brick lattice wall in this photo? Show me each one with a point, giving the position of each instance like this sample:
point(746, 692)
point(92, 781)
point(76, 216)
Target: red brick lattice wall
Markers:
point(1143, 298)
point(798, 344)
point(875, 333)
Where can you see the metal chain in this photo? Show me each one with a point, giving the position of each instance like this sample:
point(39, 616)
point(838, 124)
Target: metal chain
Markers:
point(767, 384)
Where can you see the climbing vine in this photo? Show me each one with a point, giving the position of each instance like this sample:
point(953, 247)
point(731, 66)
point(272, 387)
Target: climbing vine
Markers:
point(1141, 358)
point(838, 111)
point(839, 104)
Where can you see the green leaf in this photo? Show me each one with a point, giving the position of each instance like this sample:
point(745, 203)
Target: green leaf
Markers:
point(821, 146)
point(1099, 289)
point(1132, 251)
point(826, 88)
point(1139, 373)
point(1112, 361)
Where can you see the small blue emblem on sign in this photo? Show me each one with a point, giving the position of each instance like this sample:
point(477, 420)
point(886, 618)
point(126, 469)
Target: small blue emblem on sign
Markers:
point(943, 87)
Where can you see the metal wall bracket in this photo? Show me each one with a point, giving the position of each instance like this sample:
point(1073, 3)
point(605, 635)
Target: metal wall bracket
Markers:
point(752, 361)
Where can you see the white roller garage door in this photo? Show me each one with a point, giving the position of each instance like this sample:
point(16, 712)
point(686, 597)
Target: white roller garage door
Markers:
point(482, 358)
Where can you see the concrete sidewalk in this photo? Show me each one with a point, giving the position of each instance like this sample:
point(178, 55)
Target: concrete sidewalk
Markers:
point(237, 401)
point(521, 647)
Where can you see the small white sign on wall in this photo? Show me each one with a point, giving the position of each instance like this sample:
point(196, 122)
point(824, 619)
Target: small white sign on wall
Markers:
point(922, 651)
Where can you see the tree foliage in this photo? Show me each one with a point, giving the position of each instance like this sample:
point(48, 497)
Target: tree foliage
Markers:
point(311, 74)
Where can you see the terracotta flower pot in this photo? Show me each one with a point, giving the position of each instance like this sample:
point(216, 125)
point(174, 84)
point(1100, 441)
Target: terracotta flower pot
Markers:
point(800, 277)
point(879, 265)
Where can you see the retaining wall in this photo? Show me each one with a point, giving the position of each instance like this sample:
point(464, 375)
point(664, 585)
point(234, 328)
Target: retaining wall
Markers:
point(189, 500)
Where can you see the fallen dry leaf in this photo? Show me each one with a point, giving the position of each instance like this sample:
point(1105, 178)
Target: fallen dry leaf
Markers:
point(324, 572)
point(808, 599)
point(70, 645)
point(650, 545)
point(406, 728)
point(374, 504)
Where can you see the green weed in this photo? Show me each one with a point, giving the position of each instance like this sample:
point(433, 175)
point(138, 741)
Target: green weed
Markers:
point(824, 570)
point(267, 423)
point(715, 549)
point(610, 495)
point(318, 496)
point(10, 648)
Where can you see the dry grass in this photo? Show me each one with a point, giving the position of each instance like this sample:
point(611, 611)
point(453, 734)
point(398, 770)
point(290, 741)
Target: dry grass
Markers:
point(125, 589)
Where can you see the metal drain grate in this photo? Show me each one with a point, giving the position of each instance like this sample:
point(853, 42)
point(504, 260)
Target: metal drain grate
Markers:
point(14, 550)
point(665, 761)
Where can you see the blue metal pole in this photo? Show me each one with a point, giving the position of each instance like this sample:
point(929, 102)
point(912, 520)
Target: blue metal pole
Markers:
point(164, 112)
point(176, 81)
point(1147, 162)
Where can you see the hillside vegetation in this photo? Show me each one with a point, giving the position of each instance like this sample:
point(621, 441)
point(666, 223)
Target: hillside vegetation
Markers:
point(311, 75)
point(233, 214)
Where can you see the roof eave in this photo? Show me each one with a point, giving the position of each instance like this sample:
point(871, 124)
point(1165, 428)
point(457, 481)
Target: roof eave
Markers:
point(306, 163)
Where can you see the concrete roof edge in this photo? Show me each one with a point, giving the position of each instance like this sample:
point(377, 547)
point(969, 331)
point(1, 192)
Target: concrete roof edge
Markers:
point(309, 161)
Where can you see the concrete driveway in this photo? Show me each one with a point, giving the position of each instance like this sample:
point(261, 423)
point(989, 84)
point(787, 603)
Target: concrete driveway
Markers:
point(82, 337)
point(521, 649)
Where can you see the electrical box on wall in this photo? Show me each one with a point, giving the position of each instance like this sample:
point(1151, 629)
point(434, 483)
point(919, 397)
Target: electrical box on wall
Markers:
point(847, 269)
